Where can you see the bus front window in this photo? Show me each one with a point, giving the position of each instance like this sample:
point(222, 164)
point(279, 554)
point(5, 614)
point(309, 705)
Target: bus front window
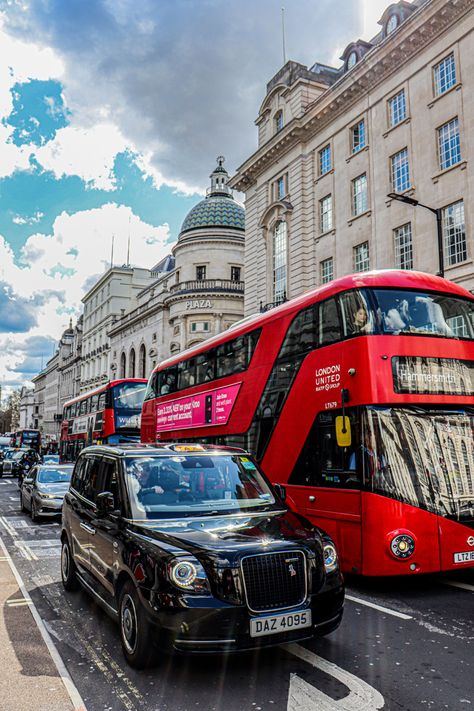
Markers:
point(127, 402)
point(421, 457)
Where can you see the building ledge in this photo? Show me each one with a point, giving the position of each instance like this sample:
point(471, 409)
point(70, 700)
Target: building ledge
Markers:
point(366, 213)
point(462, 165)
point(358, 153)
point(405, 121)
point(456, 87)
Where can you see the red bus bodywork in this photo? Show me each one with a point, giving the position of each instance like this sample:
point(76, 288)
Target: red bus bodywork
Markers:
point(26, 438)
point(354, 375)
point(95, 417)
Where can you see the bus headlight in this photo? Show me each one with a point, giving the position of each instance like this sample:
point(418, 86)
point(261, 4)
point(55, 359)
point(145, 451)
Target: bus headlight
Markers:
point(188, 575)
point(402, 545)
point(330, 557)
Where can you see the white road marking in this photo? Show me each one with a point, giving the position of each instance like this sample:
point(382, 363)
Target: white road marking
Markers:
point(387, 610)
point(71, 688)
point(303, 696)
point(455, 584)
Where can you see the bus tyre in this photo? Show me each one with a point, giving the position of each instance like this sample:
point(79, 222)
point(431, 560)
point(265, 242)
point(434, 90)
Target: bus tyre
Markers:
point(68, 568)
point(134, 629)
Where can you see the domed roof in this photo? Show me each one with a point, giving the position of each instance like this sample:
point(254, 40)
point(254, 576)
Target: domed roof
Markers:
point(218, 209)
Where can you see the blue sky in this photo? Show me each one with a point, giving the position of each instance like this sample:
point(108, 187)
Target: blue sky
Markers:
point(112, 113)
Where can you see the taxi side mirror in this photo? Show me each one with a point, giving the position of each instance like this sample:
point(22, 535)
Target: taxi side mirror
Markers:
point(343, 431)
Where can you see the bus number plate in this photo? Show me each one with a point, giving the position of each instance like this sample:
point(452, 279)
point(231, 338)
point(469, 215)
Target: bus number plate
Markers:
point(279, 623)
point(465, 557)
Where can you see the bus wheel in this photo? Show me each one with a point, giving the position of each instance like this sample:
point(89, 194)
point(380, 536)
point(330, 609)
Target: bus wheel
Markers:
point(134, 631)
point(68, 568)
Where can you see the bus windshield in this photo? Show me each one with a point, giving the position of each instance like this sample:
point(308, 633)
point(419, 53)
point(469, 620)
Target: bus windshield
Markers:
point(193, 485)
point(422, 313)
point(128, 400)
point(421, 457)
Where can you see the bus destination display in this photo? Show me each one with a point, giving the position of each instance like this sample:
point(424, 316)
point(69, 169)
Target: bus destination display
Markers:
point(433, 376)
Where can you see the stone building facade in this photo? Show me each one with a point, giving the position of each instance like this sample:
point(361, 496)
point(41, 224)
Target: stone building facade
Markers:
point(396, 117)
point(194, 293)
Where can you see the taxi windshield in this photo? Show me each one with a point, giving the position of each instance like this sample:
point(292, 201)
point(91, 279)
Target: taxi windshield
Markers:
point(188, 485)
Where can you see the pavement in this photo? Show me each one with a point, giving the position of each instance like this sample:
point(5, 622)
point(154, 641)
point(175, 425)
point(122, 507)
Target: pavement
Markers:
point(29, 677)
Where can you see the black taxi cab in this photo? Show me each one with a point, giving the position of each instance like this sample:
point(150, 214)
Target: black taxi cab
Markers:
point(190, 547)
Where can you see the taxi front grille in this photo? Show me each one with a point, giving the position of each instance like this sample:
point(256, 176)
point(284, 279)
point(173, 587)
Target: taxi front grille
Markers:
point(274, 581)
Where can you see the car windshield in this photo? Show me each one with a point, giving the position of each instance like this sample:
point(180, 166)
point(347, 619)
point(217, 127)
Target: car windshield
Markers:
point(187, 485)
point(51, 459)
point(52, 476)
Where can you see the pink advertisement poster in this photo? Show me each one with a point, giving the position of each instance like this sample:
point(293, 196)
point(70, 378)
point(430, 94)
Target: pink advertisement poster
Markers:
point(212, 407)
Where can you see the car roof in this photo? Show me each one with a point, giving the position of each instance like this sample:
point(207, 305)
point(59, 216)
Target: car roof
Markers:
point(165, 449)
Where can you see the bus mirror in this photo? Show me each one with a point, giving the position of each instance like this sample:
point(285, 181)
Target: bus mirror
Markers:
point(343, 431)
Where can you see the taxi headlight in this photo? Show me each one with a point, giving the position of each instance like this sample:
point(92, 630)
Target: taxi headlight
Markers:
point(188, 575)
point(330, 557)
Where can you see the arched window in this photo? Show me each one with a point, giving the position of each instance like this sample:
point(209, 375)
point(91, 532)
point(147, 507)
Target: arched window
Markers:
point(142, 362)
point(278, 121)
point(123, 366)
point(131, 364)
point(280, 247)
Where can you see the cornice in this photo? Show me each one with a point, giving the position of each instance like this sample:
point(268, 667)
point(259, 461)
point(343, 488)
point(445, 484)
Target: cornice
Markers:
point(424, 25)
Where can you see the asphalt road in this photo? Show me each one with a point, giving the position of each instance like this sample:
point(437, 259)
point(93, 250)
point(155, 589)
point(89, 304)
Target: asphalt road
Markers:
point(403, 645)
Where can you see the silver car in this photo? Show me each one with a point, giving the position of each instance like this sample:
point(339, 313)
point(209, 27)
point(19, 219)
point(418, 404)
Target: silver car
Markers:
point(43, 489)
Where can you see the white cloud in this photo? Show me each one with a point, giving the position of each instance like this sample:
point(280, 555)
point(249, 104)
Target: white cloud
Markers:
point(54, 269)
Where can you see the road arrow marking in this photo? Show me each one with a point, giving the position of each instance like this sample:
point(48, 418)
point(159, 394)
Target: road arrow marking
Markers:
point(306, 697)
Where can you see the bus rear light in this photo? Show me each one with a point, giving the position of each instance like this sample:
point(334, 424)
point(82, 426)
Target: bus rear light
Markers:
point(401, 544)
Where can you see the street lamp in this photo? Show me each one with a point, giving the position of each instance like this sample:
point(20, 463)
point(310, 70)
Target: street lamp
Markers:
point(439, 226)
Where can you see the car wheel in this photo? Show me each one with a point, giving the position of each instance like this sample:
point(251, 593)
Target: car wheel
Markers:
point(34, 511)
point(68, 568)
point(22, 504)
point(134, 629)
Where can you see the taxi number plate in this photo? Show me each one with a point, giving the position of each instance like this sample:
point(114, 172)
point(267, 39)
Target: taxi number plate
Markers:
point(464, 557)
point(279, 623)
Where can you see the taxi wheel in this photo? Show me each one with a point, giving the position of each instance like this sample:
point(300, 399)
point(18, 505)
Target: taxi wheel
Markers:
point(68, 568)
point(134, 629)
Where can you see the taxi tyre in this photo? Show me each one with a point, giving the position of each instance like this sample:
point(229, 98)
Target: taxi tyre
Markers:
point(68, 568)
point(135, 630)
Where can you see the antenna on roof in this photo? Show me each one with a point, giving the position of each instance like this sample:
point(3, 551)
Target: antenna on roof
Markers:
point(283, 33)
point(128, 245)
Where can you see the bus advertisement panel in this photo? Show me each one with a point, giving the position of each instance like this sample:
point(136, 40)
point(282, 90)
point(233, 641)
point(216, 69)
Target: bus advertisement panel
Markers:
point(110, 414)
point(358, 397)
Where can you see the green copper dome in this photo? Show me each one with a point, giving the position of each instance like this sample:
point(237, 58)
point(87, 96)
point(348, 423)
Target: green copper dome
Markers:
point(215, 211)
point(219, 208)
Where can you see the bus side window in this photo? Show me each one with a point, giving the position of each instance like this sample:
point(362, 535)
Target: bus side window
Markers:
point(186, 373)
point(329, 324)
point(301, 335)
point(167, 381)
point(94, 403)
point(206, 367)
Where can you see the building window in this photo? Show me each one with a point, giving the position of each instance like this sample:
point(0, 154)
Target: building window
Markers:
point(153, 336)
point(325, 214)
point(131, 364)
point(359, 195)
point(444, 75)
point(400, 171)
point(327, 270)
point(279, 261)
point(449, 147)
point(352, 60)
point(403, 247)
point(391, 24)
point(454, 233)
point(200, 273)
point(142, 362)
point(358, 136)
point(325, 160)
point(397, 108)
point(235, 273)
point(278, 121)
point(280, 187)
point(199, 326)
point(361, 257)
point(123, 366)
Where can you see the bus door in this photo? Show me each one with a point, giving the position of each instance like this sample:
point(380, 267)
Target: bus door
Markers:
point(326, 483)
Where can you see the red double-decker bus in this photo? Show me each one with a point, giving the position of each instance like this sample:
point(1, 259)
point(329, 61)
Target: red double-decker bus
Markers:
point(109, 414)
point(26, 438)
point(358, 397)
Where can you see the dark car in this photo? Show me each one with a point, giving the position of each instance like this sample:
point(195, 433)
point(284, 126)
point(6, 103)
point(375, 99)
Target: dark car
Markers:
point(19, 462)
point(7, 453)
point(43, 489)
point(190, 547)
